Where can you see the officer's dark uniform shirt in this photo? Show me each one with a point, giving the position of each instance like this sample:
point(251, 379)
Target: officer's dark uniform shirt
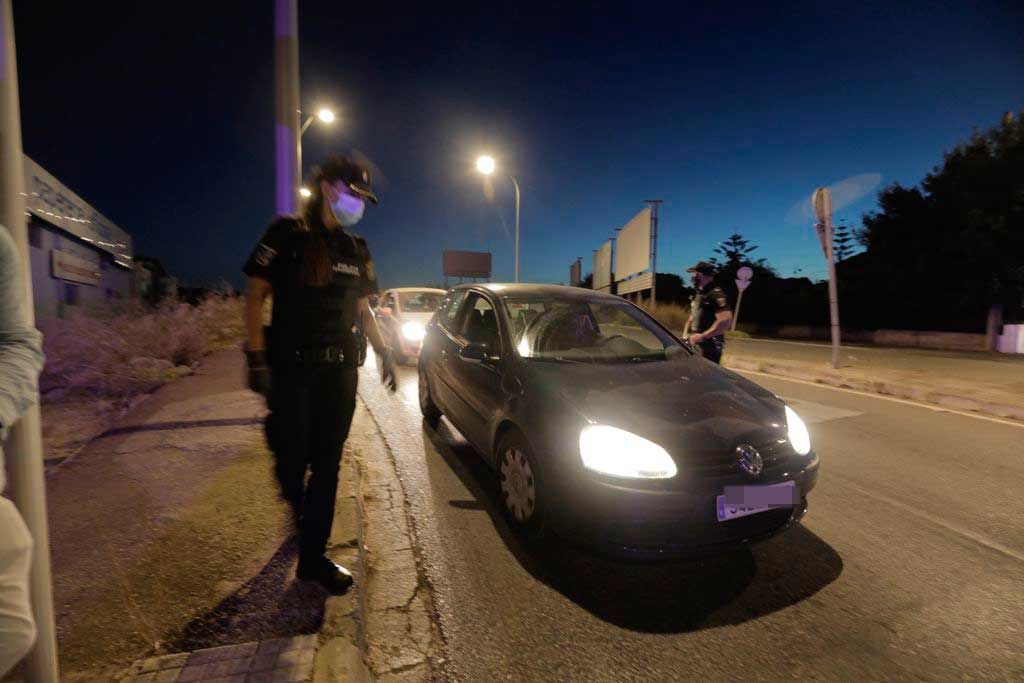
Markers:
point(704, 306)
point(304, 316)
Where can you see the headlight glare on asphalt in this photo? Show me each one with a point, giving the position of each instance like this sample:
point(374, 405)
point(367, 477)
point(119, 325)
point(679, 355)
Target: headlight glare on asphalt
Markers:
point(799, 437)
point(619, 453)
point(414, 331)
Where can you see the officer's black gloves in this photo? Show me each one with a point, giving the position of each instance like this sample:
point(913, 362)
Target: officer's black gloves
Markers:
point(259, 372)
point(388, 374)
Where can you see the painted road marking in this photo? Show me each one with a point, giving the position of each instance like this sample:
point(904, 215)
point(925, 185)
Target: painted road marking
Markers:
point(937, 409)
point(927, 516)
point(814, 413)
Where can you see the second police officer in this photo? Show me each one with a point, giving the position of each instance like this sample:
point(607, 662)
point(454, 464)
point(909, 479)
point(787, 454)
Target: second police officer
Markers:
point(319, 276)
point(709, 313)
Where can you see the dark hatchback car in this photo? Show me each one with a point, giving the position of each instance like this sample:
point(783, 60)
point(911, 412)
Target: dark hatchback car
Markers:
point(602, 424)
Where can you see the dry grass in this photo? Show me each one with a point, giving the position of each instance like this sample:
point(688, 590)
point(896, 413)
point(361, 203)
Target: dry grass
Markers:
point(672, 316)
point(122, 351)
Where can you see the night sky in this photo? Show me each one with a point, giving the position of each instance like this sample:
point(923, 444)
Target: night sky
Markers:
point(160, 115)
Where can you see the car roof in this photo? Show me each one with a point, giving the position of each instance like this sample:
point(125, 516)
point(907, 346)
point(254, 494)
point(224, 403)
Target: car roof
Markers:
point(502, 289)
point(417, 289)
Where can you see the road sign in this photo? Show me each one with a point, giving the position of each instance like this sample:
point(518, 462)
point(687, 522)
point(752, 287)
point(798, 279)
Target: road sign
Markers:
point(743, 276)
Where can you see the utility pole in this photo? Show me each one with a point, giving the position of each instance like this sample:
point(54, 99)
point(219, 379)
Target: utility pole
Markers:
point(25, 440)
point(286, 105)
point(654, 204)
point(821, 200)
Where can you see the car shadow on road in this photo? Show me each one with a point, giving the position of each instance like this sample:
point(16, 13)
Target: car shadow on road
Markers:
point(272, 604)
point(663, 597)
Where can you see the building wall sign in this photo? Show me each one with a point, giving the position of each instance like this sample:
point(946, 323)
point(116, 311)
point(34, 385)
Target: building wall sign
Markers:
point(48, 198)
point(74, 268)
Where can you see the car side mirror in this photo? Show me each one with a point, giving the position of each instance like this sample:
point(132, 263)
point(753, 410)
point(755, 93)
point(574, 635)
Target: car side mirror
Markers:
point(477, 353)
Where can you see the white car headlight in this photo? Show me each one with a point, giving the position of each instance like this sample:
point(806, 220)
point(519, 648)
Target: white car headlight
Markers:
point(619, 453)
point(798, 434)
point(414, 331)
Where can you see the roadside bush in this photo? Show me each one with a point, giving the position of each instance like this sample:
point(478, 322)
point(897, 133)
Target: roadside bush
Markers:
point(129, 349)
point(672, 316)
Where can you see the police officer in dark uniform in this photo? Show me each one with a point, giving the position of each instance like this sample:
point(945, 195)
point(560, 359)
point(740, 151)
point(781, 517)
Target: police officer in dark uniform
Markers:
point(709, 313)
point(319, 276)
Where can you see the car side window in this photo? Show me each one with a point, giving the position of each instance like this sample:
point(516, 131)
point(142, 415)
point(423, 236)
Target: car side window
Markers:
point(480, 325)
point(450, 316)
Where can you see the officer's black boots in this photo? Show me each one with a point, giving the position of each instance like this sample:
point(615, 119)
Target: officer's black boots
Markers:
point(334, 578)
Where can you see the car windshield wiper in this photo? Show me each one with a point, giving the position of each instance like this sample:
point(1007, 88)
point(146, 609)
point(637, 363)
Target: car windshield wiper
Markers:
point(645, 359)
point(558, 359)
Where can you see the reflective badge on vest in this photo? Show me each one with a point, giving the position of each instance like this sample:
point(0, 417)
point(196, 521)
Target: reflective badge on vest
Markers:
point(265, 254)
point(347, 269)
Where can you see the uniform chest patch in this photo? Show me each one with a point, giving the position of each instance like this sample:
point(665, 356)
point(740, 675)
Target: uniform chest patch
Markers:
point(347, 269)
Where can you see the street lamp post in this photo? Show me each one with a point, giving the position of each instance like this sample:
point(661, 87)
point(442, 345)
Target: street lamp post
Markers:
point(486, 165)
point(326, 116)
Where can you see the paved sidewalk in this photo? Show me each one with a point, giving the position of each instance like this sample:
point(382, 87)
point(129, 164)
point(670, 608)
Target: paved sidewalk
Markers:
point(282, 660)
point(988, 383)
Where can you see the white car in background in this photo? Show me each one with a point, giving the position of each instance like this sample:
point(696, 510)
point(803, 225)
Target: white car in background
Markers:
point(403, 316)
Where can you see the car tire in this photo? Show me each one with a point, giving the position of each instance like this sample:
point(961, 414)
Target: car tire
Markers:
point(431, 413)
point(522, 493)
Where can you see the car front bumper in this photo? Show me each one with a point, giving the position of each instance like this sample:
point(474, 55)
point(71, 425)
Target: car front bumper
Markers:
point(628, 521)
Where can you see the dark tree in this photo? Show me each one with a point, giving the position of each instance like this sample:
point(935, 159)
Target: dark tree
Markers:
point(954, 246)
point(587, 282)
point(842, 243)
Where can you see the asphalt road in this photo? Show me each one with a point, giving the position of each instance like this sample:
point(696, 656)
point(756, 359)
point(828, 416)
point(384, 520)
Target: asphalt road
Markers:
point(909, 563)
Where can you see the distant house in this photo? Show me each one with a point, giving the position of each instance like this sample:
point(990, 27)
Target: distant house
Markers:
point(77, 256)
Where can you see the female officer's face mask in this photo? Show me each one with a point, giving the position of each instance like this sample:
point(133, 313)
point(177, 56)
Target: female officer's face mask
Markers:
point(347, 208)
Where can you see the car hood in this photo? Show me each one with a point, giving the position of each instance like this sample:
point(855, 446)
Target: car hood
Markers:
point(693, 408)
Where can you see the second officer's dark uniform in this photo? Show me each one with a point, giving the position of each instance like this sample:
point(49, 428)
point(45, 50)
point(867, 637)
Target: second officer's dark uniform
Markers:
point(313, 357)
point(704, 306)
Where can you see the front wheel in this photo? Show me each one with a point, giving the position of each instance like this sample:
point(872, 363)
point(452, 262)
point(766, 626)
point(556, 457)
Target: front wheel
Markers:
point(521, 489)
point(431, 413)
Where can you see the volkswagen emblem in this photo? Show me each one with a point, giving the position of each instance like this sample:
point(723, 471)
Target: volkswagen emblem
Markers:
point(749, 460)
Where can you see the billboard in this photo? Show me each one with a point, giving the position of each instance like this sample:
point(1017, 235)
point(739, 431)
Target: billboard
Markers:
point(467, 264)
point(633, 250)
point(48, 198)
point(603, 267)
point(575, 274)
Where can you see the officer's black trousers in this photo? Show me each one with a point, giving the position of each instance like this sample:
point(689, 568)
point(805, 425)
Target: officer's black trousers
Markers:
point(713, 349)
point(311, 410)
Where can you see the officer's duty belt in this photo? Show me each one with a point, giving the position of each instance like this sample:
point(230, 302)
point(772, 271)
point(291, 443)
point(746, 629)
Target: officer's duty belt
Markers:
point(324, 355)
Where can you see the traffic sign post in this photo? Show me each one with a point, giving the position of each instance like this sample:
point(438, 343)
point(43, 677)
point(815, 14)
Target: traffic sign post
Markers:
point(743, 276)
point(822, 201)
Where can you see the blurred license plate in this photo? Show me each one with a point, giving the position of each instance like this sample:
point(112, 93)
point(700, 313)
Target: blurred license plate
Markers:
point(740, 501)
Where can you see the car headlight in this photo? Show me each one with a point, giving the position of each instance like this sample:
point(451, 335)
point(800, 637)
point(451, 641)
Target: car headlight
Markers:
point(414, 331)
point(619, 453)
point(798, 434)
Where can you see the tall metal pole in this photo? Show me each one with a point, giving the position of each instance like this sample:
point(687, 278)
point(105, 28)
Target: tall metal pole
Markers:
point(286, 105)
point(833, 291)
point(517, 227)
point(25, 440)
point(654, 204)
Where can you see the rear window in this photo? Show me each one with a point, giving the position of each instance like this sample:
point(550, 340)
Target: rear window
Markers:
point(419, 302)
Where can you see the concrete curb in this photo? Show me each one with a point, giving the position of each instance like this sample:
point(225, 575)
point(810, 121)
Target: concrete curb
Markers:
point(909, 392)
point(386, 628)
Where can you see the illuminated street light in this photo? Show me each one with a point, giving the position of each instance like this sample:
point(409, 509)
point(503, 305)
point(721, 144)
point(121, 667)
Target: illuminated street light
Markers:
point(486, 165)
point(304, 191)
point(326, 116)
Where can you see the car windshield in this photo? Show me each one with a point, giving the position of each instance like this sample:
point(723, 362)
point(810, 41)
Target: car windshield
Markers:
point(594, 331)
point(419, 302)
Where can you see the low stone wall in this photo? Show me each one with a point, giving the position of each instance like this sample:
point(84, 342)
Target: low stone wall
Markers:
point(956, 341)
